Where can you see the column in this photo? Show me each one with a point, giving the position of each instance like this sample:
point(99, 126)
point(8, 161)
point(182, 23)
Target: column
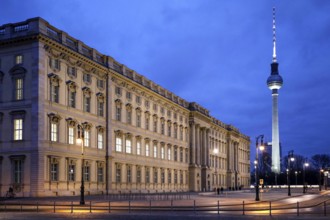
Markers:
point(192, 143)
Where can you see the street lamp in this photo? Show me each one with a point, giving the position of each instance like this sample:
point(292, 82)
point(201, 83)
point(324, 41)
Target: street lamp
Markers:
point(256, 163)
point(290, 159)
point(304, 168)
point(326, 173)
point(320, 179)
point(80, 140)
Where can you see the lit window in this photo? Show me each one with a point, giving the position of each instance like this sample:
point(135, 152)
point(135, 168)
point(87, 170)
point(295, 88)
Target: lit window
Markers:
point(147, 150)
point(18, 129)
point(138, 148)
point(169, 153)
point(18, 59)
point(162, 152)
point(100, 140)
point(54, 131)
point(119, 144)
point(128, 146)
point(71, 135)
point(19, 88)
point(155, 151)
point(87, 138)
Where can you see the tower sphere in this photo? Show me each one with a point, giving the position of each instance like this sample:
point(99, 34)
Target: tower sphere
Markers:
point(274, 82)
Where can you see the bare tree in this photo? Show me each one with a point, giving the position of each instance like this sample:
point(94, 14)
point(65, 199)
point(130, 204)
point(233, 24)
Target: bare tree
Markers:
point(320, 161)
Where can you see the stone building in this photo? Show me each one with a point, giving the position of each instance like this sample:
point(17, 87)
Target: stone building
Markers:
point(137, 136)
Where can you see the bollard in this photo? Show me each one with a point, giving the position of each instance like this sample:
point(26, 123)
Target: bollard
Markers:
point(71, 206)
point(90, 206)
point(297, 208)
point(243, 208)
point(270, 208)
point(54, 206)
point(37, 207)
point(194, 206)
point(218, 207)
point(325, 208)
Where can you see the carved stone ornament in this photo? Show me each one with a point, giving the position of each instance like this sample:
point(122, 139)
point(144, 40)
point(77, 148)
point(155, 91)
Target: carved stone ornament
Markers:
point(71, 122)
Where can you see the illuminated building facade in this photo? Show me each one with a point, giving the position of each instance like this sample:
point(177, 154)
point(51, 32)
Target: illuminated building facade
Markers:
point(138, 136)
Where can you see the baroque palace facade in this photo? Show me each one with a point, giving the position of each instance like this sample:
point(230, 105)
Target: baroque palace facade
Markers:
point(138, 136)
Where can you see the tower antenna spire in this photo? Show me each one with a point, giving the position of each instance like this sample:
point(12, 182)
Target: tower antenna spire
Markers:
point(274, 37)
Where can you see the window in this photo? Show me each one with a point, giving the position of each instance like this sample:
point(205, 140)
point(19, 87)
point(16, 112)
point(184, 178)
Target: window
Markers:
point(119, 144)
point(118, 91)
point(162, 176)
point(175, 131)
point(138, 174)
point(72, 72)
point(18, 129)
point(54, 170)
point(100, 104)
point(155, 150)
point(155, 107)
point(155, 123)
point(118, 173)
point(155, 175)
point(138, 118)
point(162, 152)
point(71, 172)
point(169, 128)
point(100, 83)
point(138, 147)
point(86, 172)
point(169, 176)
point(128, 95)
point(87, 103)
point(55, 64)
point(54, 131)
point(146, 103)
point(87, 137)
point(169, 113)
point(138, 99)
point(162, 129)
point(129, 114)
point(55, 93)
point(18, 171)
point(19, 59)
point(147, 122)
point(147, 175)
point(118, 110)
point(129, 174)
point(175, 154)
point(72, 99)
point(87, 78)
point(128, 145)
point(181, 132)
point(100, 175)
point(19, 88)
point(181, 155)
point(175, 177)
point(147, 150)
point(100, 139)
point(71, 135)
point(181, 176)
point(169, 153)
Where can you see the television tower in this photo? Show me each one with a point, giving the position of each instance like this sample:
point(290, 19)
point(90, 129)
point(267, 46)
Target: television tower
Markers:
point(274, 83)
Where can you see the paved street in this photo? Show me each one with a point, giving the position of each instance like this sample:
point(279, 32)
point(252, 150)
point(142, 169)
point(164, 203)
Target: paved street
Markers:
point(230, 207)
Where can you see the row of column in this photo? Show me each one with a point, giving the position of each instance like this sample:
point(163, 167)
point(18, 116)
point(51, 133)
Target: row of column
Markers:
point(199, 150)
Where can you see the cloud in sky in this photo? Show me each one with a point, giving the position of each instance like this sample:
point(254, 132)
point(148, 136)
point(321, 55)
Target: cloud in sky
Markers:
point(217, 53)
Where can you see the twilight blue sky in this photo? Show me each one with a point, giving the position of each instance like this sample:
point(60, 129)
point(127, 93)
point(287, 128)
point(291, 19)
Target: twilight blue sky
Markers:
point(214, 52)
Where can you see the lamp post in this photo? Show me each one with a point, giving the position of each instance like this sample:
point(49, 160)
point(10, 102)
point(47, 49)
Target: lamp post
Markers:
point(326, 173)
point(320, 179)
point(290, 159)
point(80, 140)
point(256, 164)
point(216, 165)
point(304, 170)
